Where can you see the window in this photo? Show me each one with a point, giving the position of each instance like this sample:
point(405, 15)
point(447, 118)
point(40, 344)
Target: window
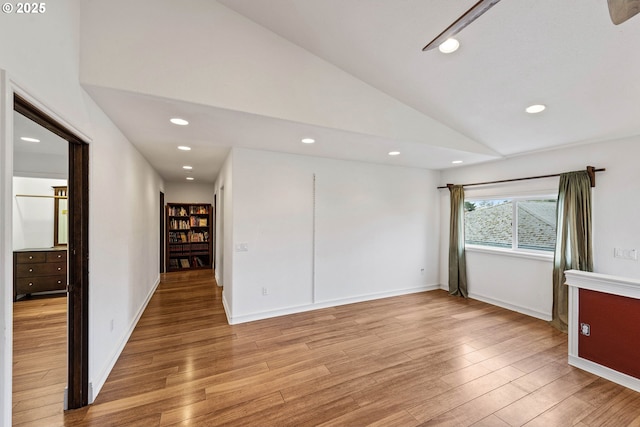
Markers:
point(525, 224)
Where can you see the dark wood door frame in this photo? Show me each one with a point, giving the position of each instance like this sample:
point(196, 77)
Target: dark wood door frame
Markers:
point(78, 249)
point(215, 233)
point(78, 382)
point(162, 237)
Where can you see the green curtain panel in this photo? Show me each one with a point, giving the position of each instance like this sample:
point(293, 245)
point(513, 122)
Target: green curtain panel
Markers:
point(457, 261)
point(574, 250)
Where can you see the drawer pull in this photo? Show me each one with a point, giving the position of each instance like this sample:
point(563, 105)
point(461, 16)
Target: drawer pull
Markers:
point(30, 257)
point(59, 256)
point(59, 281)
point(59, 268)
point(31, 270)
point(30, 283)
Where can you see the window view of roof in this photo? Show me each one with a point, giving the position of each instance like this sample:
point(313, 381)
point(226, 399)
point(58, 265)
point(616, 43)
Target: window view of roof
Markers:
point(490, 223)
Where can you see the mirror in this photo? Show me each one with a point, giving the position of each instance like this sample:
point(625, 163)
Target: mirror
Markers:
point(60, 216)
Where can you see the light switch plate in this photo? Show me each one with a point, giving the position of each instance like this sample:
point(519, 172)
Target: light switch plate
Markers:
point(242, 247)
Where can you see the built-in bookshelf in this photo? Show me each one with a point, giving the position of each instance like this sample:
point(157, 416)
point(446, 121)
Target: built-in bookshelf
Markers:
point(189, 236)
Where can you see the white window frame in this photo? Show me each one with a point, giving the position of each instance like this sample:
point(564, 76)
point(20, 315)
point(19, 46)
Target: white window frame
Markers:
point(514, 250)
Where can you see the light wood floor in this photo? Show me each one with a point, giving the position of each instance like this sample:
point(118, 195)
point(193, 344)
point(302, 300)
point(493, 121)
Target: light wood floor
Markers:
point(421, 359)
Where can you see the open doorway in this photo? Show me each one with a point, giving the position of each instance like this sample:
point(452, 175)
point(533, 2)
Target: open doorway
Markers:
point(50, 263)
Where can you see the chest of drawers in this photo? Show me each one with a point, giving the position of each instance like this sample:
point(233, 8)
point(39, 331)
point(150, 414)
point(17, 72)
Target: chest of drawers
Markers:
point(39, 270)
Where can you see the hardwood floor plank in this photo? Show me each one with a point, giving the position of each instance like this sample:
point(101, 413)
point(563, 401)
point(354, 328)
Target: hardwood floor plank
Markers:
point(478, 408)
point(601, 392)
point(491, 421)
point(373, 416)
point(538, 360)
point(300, 413)
point(145, 406)
point(465, 375)
point(464, 393)
point(398, 419)
point(210, 414)
point(543, 376)
point(621, 410)
point(33, 416)
point(544, 398)
point(419, 359)
point(567, 413)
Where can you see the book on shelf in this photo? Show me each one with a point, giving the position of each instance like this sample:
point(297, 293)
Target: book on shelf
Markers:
point(197, 221)
point(199, 236)
point(177, 211)
point(178, 224)
point(199, 247)
point(199, 210)
point(177, 237)
point(184, 263)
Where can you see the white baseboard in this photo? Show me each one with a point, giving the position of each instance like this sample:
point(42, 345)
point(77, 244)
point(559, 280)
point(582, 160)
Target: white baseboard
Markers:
point(96, 385)
point(233, 320)
point(226, 307)
point(604, 372)
point(512, 307)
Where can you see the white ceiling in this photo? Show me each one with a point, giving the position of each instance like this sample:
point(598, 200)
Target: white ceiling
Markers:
point(565, 54)
point(50, 143)
point(44, 159)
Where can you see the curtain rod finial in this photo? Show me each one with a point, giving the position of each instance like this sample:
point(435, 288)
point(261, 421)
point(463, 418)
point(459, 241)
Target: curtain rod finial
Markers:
point(449, 186)
point(592, 175)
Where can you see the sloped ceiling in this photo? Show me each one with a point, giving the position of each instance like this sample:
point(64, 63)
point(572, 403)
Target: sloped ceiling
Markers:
point(351, 74)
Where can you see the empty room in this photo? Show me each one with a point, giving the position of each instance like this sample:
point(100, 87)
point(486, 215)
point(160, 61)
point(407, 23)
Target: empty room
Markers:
point(320, 212)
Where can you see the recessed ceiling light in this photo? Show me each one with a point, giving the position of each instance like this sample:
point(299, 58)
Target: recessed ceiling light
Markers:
point(449, 45)
point(187, 167)
point(536, 108)
point(394, 153)
point(27, 139)
point(457, 162)
point(308, 140)
point(190, 178)
point(178, 121)
point(184, 148)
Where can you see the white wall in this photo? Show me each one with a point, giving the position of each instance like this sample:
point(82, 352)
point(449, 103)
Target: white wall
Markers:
point(368, 233)
point(33, 217)
point(124, 244)
point(188, 192)
point(6, 249)
point(42, 64)
point(525, 284)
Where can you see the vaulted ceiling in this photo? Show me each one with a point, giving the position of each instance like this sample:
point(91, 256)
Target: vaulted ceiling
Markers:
point(351, 74)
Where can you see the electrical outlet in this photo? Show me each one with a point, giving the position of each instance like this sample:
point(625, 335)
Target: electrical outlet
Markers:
point(585, 329)
point(265, 291)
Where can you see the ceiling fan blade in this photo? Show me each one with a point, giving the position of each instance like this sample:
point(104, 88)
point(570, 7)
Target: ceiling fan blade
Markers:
point(621, 10)
point(459, 24)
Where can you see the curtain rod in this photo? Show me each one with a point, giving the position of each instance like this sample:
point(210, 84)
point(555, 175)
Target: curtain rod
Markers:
point(590, 170)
